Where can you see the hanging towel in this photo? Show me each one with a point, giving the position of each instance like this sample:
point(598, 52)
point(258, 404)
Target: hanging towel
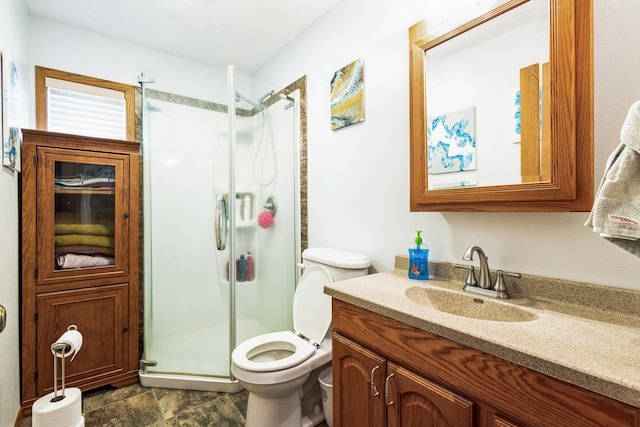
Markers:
point(616, 209)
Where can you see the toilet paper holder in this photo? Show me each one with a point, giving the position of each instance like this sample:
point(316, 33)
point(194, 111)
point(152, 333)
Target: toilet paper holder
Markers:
point(59, 348)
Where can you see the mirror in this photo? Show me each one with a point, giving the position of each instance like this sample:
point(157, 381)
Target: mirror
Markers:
point(473, 148)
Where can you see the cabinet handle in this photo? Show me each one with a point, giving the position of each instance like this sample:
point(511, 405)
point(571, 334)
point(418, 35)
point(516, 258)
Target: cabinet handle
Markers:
point(386, 390)
point(374, 391)
point(126, 216)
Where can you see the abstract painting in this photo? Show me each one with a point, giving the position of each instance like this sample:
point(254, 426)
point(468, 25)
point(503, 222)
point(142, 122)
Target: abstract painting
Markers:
point(347, 95)
point(9, 130)
point(451, 142)
point(517, 125)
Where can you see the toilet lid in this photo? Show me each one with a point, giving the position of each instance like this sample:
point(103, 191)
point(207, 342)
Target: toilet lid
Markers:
point(311, 306)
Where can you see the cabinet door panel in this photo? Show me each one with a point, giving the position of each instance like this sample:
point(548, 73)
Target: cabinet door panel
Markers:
point(101, 317)
point(353, 366)
point(82, 215)
point(418, 402)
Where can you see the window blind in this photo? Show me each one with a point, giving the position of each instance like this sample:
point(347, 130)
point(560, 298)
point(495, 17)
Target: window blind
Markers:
point(85, 110)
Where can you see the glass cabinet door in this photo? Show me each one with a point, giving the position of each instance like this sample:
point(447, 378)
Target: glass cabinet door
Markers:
point(83, 225)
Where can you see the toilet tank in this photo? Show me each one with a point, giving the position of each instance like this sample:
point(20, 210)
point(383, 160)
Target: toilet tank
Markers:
point(341, 264)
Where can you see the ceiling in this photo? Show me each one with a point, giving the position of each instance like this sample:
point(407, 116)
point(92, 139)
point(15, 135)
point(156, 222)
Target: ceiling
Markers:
point(245, 33)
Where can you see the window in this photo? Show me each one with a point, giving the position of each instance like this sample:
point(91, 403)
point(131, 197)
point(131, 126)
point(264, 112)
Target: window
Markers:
point(77, 104)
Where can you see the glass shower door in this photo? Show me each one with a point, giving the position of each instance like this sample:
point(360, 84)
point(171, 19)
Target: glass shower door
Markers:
point(260, 260)
point(213, 275)
point(187, 319)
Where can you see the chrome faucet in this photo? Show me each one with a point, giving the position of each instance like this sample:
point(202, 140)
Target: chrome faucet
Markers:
point(484, 286)
point(485, 276)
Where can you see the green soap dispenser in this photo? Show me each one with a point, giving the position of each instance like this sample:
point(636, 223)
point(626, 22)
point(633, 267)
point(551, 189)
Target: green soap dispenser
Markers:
point(419, 260)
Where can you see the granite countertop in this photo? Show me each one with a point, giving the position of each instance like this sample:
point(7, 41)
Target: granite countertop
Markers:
point(585, 346)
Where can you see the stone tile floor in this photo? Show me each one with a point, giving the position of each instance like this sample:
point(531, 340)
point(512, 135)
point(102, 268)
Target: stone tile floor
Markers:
point(138, 406)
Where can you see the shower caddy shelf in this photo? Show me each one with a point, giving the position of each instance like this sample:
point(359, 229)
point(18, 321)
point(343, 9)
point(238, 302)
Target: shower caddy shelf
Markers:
point(245, 235)
point(80, 201)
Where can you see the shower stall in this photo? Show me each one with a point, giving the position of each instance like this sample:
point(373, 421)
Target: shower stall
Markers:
point(222, 226)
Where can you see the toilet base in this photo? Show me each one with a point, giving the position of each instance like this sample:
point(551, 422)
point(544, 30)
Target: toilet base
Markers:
point(300, 408)
point(281, 412)
point(266, 412)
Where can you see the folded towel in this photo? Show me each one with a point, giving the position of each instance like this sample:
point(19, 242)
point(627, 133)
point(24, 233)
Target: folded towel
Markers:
point(616, 209)
point(99, 224)
point(95, 229)
point(84, 239)
point(83, 250)
point(83, 261)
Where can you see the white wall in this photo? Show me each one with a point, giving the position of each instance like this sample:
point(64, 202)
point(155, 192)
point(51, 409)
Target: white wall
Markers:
point(359, 178)
point(69, 49)
point(13, 39)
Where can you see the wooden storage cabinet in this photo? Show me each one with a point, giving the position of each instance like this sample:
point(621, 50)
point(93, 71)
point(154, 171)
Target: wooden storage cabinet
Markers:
point(437, 382)
point(80, 266)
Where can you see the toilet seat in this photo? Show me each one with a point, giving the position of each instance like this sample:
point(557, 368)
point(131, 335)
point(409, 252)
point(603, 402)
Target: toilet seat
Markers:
point(300, 349)
point(311, 321)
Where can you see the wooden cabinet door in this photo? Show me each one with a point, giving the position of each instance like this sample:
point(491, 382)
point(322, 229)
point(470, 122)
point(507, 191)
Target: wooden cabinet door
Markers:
point(101, 315)
point(414, 401)
point(358, 385)
point(82, 216)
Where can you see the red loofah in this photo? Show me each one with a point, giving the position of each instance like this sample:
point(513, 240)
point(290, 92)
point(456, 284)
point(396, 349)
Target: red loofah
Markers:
point(265, 219)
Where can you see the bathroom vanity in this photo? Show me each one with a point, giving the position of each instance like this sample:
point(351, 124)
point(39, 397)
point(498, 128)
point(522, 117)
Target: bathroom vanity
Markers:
point(400, 359)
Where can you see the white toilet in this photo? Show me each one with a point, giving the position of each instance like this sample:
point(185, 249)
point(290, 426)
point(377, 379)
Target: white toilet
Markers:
point(280, 369)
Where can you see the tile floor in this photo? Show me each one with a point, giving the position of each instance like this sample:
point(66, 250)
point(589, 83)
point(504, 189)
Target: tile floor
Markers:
point(138, 406)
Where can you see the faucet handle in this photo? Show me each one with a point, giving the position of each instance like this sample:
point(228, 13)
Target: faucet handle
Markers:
point(471, 276)
point(500, 287)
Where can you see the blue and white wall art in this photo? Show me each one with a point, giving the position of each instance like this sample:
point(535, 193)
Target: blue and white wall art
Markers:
point(451, 142)
point(517, 125)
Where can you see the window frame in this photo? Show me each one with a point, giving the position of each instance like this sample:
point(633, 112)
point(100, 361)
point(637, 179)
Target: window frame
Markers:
point(41, 95)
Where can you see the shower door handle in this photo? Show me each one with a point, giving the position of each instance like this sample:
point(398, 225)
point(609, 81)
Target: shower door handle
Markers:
point(221, 222)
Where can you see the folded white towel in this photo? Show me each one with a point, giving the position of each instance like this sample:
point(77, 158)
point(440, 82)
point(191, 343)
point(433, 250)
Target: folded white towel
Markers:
point(83, 261)
point(616, 209)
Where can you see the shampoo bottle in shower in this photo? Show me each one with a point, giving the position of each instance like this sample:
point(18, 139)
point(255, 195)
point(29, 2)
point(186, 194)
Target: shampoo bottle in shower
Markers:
point(251, 272)
point(242, 269)
point(247, 207)
point(419, 260)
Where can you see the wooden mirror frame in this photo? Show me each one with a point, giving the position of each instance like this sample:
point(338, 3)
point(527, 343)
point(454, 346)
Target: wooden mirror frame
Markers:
point(571, 186)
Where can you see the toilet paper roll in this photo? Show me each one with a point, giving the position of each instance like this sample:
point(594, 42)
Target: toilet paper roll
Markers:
point(66, 412)
point(72, 340)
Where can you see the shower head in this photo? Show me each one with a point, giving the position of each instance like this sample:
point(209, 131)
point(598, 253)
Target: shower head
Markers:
point(240, 97)
point(265, 97)
point(286, 97)
point(259, 105)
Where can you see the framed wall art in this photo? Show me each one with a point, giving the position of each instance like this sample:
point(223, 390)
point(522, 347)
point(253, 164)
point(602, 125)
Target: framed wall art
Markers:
point(10, 130)
point(451, 142)
point(347, 95)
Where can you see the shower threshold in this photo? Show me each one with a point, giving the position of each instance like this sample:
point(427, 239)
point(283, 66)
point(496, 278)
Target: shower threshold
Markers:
point(188, 382)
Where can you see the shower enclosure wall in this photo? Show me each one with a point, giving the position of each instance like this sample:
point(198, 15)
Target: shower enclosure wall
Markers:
point(213, 276)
